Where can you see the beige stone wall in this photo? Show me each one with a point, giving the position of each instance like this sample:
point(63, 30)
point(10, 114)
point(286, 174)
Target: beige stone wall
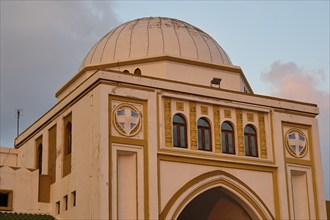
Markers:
point(188, 72)
point(8, 157)
point(84, 178)
point(101, 155)
point(24, 184)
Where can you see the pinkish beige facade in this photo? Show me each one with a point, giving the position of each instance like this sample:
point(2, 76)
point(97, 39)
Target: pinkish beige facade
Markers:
point(159, 124)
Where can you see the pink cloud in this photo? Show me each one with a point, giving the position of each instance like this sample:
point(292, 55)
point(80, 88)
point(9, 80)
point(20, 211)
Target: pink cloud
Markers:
point(293, 82)
point(290, 81)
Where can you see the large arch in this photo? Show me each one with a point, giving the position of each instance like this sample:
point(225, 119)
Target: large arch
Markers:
point(223, 186)
point(215, 203)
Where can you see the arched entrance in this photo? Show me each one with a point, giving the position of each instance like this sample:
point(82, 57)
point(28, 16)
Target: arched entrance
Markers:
point(215, 195)
point(214, 204)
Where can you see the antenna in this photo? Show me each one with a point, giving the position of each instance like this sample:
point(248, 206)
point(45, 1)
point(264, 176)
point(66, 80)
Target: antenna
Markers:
point(18, 111)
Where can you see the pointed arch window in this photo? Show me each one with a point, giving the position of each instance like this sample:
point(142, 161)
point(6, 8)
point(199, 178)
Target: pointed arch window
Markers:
point(38, 154)
point(228, 138)
point(40, 158)
point(204, 135)
point(68, 138)
point(179, 131)
point(137, 71)
point(250, 141)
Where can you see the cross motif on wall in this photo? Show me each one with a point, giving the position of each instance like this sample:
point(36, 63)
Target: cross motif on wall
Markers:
point(127, 119)
point(297, 143)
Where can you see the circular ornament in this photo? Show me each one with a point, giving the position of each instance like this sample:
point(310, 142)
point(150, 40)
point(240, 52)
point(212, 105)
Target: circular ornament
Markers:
point(127, 119)
point(296, 143)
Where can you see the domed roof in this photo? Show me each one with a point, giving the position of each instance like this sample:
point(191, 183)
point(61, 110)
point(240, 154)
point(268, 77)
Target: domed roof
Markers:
point(152, 37)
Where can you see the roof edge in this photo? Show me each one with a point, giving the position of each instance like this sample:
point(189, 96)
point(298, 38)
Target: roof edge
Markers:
point(99, 80)
point(225, 67)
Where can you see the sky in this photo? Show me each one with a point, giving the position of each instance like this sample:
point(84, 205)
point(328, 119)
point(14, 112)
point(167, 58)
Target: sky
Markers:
point(281, 46)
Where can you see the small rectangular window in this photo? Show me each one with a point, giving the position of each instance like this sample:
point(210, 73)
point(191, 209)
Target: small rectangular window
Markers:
point(74, 198)
point(65, 198)
point(6, 200)
point(58, 207)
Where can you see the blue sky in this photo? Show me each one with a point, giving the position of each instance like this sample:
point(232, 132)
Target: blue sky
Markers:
point(254, 34)
point(282, 47)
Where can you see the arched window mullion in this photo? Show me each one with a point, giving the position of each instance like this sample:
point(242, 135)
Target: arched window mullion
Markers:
point(250, 141)
point(179, 131)
point(68, 138)
point(228, 138)
point(204, 135)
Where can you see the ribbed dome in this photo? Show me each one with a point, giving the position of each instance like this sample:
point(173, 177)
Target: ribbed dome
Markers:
point(152, 37)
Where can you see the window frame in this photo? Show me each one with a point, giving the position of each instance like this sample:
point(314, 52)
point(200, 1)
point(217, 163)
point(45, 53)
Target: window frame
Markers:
point(9, 206)
point(74, 198)
point(58, 207)
point(39, 157)
point(178, 126)
point(66, 202)
point(203, 130)
point(68, 138)
point(248, 145)
point(225, 137)
point(138, 72)
point(39, 153)
point(68, 144)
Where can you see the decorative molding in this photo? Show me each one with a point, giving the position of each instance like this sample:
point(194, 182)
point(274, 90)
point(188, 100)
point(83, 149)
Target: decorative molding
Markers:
point(179, 106)
point(193, 126)
point(296, 143)
point(209, 180)
point(127, 119)
point(204, 110)
point(217, 132)
point(262, 135)
point(227, 113)
point(167, 120)
point(240, 134)
point(142, 141)
point(9, 206)
point(250, 117)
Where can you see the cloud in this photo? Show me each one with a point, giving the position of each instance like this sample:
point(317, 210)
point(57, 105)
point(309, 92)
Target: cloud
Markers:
point(288, 80)
point(291, 81)
point(42, 46)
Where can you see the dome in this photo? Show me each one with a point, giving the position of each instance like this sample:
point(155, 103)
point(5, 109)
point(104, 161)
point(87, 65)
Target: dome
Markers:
point(152, 37)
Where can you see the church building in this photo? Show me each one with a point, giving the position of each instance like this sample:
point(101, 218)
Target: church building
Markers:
point(159, 124)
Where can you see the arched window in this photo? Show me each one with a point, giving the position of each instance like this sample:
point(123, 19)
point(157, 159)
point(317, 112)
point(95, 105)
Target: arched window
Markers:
point(228, 138)
point(204, 135)
point(68, 138)
point(250, 141)
point(137, 71)
point(179, 131)
point(40, 158)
